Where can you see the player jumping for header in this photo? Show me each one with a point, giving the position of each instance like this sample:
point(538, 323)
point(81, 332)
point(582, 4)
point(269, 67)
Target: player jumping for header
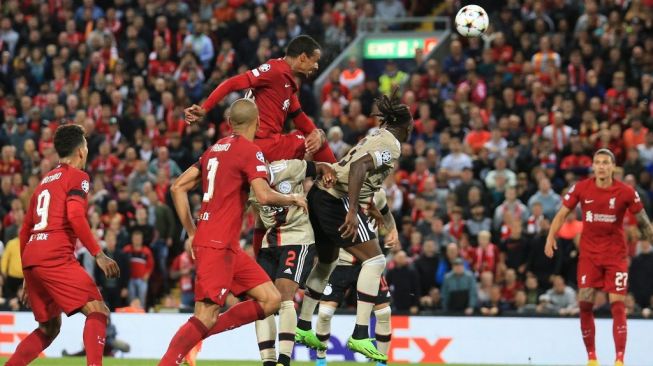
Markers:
point(54, 280)
point(227, 170)
point(603, 261)
point(275, 92)
point(360, 175)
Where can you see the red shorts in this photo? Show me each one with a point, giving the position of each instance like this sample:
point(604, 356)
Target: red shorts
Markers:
point(52, 290)
point(283, 147)
point(609, 275)
point(220, 271)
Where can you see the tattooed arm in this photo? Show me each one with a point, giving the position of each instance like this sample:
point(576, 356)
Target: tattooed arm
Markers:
point(644, 225)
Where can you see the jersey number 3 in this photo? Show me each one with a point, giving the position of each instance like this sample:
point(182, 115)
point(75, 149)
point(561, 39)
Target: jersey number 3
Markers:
point(212, 167)
point(42, 206)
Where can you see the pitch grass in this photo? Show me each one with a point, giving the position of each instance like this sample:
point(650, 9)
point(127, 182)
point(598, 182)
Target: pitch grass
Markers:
point(78, 361)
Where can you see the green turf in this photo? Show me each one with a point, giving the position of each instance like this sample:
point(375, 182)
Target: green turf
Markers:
point(76, 361)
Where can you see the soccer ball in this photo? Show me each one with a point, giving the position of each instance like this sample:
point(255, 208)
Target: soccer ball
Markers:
point(472, 21)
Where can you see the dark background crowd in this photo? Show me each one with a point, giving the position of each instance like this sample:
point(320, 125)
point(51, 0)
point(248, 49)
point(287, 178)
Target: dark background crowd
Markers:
point(505, 124)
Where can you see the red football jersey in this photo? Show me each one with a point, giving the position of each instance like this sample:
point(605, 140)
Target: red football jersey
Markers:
point(227, 169)
point(603, 213)
point(52, 239)
point(274, 90)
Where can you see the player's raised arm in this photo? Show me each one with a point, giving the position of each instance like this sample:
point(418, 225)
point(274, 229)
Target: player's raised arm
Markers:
point(186, 182)
point(235, 83)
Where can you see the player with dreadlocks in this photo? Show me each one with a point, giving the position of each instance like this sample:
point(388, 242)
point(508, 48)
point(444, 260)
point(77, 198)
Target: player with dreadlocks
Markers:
point(339, 222)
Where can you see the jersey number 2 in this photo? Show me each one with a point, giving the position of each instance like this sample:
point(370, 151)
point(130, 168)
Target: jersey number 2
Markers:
point(212, 167)
point(42, 206)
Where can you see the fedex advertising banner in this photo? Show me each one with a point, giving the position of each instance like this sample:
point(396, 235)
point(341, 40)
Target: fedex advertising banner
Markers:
point(473, 340)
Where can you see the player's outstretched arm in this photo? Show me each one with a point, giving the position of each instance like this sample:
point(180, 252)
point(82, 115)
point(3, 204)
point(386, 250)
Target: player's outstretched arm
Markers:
point(556, 224)
point(266, 196)
point(186, 182)
point(644, 224)
point(235, 83)
point(357, 173)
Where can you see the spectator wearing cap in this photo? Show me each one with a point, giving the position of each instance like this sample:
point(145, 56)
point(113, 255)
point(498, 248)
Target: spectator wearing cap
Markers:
point(445, 265)
point(21, 133)
point(459, 289)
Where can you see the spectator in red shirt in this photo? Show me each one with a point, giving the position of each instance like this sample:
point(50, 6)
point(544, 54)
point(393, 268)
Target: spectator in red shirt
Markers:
point(162, 66)
point(477, 137)
point(112, 213)
point(182, 269)
point(106, 162)
point(510, 286)
point(9, 164)
point(636, 134)
point(140, 268)
point(486, 256)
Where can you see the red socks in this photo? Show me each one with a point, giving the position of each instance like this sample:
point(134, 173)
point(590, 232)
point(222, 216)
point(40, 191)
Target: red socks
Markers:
point(186, 338)
point(619, 328)
point(587, 328)
point(29, 348)
point(325, 155)
point(239, 314)
point(94, 337)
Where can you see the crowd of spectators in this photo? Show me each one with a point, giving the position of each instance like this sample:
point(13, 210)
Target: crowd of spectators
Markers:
point(504, 125)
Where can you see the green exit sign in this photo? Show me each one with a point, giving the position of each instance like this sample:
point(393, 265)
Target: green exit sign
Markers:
point(396, 47)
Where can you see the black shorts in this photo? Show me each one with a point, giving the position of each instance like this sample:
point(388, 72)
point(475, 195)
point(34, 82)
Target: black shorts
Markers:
point(293, 262)
point(328, 213)
point(344, 278)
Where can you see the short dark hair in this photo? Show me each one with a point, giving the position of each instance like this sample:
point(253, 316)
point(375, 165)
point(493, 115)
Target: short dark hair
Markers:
point(302, 44)
point(392, 112)
point(606, 152)
point(67, 139)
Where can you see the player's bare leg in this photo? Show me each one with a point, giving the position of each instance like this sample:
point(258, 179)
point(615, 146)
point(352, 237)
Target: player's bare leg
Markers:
point(323, 329)
point(191, 333)
point(383, 328)
point(29, 348)
point(265, 301)
point(315, 284)
point(95, 328)
point(367, 287)
point(619, 326)
point(587, 328)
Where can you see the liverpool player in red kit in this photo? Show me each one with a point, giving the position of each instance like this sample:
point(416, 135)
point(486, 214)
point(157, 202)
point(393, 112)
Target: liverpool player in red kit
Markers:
point(226, 170)
point(275, 91)
point(603, 261)
point(54, 280)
